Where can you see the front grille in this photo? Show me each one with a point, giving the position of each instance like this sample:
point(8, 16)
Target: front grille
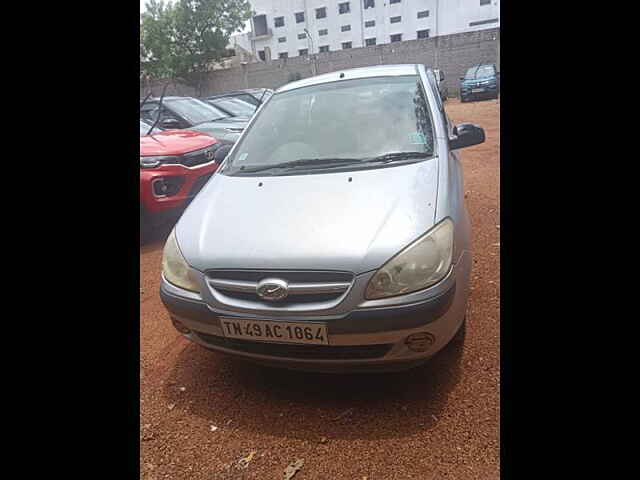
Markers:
point(198, 184)
point(198, 157)
point(303, 298)
point(313, 352)
point(293, 276)
point(305, 287)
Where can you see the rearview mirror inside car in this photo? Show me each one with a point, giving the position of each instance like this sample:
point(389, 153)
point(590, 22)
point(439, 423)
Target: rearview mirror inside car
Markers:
point(466, 135)
point(170, 123)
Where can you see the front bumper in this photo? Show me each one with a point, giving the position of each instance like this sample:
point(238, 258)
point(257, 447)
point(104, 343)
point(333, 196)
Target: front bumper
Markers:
point(488, 91)
point(362, 340)
point(160, 209)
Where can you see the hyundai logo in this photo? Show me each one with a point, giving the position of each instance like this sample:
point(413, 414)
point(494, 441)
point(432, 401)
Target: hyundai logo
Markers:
point(209, 154)
point(272, 289)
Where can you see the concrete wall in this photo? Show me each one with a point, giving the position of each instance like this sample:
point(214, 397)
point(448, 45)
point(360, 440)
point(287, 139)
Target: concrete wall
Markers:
point(453, 54)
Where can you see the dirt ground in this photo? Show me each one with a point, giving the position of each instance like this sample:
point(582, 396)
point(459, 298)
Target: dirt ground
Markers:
point(202, 412)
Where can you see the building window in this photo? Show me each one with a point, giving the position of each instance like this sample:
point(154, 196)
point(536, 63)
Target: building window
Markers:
point(370, 23)
point(396, 19)
point(396, 38)
point(304, 51)
point(323, 32)
point(345, 28)
point(302, 36)
point(369, 42)
point(394, 1)
point(344, 8)
point(483, 22)
point(346, 45)
point(282, 39)
point(261, 55)
point(283, 55)
point(278, 21)
point(423, 14)
point(324, 48)
point(369, 4)
point(299, 17)
point(423, 33)
point(260, 25)
point(321, 12)
point(485, 2)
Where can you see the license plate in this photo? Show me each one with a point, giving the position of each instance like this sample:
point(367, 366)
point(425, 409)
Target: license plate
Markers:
point(477, 90)
point(275, 332)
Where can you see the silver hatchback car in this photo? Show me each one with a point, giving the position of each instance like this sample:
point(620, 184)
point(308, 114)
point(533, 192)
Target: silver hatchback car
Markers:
point(334, 236)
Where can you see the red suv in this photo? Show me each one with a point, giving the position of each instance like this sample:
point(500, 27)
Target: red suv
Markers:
point(174, 166)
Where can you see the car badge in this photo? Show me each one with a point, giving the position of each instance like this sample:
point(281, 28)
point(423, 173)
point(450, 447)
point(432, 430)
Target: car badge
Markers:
point(272, 289)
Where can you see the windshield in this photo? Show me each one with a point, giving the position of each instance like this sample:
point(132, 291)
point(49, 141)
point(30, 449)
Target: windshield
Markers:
point(235, 106)
point(347, 123)
point(481, 71)
point(144, 128)
point(196, 111)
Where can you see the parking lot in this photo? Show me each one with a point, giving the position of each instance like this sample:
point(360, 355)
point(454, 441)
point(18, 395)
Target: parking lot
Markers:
point(202, 412)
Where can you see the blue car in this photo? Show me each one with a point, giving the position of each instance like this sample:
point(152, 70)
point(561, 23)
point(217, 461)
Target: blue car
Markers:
point(480, 81)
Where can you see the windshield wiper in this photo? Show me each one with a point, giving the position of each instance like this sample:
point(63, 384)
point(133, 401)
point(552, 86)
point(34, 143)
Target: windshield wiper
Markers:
point(319, 163)
point(303, 162)
point(397, 156)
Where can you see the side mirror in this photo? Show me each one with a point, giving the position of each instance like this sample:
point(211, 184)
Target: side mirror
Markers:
point(466, 135)
point(169, 123)
point(221, 153)
point(441, 75)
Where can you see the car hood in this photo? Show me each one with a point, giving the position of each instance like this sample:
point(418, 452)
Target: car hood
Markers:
point(174, 142)
point(227, 130)
point(478, 80)
point(314, 222)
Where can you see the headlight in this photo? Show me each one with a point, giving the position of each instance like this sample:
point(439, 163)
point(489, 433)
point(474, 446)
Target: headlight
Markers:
point(153, 162)
point(422, 264)
point(175, 268)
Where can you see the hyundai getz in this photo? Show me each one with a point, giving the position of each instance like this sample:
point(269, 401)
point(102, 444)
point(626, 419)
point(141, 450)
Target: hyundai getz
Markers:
point(334, 237)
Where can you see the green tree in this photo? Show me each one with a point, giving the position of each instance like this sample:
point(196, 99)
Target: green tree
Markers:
point(183, 39)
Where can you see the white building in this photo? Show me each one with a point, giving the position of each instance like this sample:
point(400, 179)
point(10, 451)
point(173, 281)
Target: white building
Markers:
point(279, 27)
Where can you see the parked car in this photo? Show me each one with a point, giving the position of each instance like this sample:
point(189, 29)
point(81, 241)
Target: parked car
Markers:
point(194, 114)
point(480, 81)
point(174, 165)
point(234, 107)
point(320, 246)
point(254, 96)
point(442, 87)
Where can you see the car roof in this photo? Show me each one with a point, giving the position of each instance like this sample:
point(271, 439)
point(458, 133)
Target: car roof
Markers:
point(156, 99)
point(353, 73)
point(248, 91)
